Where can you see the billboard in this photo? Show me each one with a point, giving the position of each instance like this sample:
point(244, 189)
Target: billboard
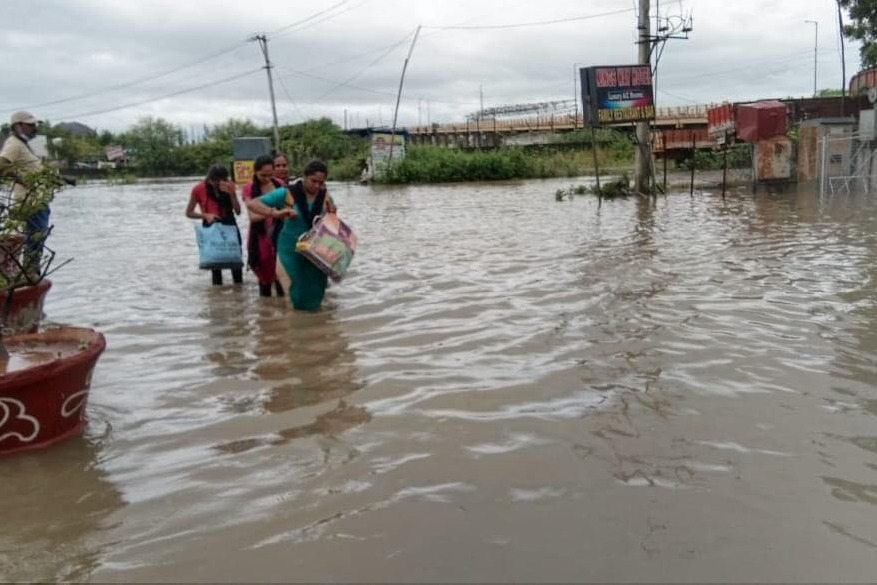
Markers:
point(380, 150)
point(243, 171)
point(617, 94)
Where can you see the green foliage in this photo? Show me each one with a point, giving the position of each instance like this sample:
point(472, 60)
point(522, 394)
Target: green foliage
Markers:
point(152, 144)
point(606, 138)
point(619, 187)
point(197, 158)
point(830, 92)
point(326, 141)
point(233, 128)
point(216, 148)
point(432, 164)
point(17, 267)
point(739, 157)
point(68, 149)
point(863, 27)
point(119, 177)
point(348, 168)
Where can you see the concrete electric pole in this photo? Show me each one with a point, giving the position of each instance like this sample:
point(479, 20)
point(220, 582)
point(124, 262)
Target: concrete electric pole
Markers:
point(263, 44)
point(642, 170)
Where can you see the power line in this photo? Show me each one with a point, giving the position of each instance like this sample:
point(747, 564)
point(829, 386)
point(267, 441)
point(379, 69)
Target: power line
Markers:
point(678, 97)
point(289, 95)
point(165, 96)
point(527, 24)
point(276, 32)
point(133, 82)
point(345, 11)
point(153, 77)
point(792, 57)
point(367, 89)
point(367, 67)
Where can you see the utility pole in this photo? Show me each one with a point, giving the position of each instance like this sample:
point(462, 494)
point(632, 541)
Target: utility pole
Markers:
point(480, 100)
point(815, 51)
point(345, 118)
point(843, 62)
point(642, 170)
point(263, 44)
point(399, 95)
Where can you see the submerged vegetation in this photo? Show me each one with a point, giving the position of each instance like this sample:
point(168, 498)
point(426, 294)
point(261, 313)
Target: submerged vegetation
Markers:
point(572, 156)
point(156, 147)
point(618, 187)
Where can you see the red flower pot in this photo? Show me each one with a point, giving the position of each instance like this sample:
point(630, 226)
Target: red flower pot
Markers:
point(26, 310)
point(44, 403)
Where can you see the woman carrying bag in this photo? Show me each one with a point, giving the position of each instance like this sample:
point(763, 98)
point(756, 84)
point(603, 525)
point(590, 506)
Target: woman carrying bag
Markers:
point(297, 207)
point(217, 202)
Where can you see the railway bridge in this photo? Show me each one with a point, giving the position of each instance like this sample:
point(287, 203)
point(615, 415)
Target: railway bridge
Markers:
point(492, 132)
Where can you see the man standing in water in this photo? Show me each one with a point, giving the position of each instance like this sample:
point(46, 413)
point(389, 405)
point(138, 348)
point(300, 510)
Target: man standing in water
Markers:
point(18, 157)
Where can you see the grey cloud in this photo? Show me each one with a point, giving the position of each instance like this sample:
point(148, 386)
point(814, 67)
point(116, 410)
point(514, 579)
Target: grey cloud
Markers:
point(57, 49)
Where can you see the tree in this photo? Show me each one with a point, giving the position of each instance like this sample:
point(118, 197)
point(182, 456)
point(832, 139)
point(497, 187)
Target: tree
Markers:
point(233, 128)
point(863, 27)
point(153, 143)
point(830, 92)
point(69, 149)
point(321, 139)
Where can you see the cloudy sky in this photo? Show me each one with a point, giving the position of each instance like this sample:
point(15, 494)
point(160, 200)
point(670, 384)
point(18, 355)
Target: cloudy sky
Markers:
point(108, 62)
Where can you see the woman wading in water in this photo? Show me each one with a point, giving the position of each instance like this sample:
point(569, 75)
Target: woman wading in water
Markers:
point(297, 207)
point(261, 256)
point(216, 199)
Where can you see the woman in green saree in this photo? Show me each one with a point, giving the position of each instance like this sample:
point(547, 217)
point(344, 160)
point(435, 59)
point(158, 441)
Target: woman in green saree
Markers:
point(297, 206)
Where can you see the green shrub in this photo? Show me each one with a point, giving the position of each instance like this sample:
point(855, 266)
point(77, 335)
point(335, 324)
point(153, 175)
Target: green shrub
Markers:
point(433, 164)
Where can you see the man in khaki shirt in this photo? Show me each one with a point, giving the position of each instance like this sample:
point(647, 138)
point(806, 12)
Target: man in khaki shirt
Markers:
point(16, 156)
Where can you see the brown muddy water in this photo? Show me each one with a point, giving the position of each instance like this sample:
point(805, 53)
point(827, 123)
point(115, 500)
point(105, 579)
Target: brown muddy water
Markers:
point(506, 388)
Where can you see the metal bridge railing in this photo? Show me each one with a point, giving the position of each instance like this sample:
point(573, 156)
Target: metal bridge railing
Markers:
point(695, 114)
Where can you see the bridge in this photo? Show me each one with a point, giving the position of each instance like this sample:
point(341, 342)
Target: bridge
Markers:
point(476, 133)
point(675, 129)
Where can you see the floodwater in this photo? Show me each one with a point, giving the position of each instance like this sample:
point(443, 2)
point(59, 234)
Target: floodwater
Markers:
point(506, 388)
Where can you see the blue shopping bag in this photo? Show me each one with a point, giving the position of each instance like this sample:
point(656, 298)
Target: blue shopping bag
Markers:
point(219, 246)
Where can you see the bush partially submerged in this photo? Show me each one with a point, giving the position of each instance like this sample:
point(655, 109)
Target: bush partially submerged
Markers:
point(18, 266)
point(620, 187)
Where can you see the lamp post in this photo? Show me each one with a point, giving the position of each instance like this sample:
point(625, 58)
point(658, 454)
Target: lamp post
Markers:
point(815, 49)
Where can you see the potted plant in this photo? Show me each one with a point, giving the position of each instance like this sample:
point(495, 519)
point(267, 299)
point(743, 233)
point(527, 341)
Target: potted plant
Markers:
point(44, 375)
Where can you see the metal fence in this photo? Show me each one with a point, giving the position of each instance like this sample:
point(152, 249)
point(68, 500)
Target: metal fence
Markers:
point(846, 165)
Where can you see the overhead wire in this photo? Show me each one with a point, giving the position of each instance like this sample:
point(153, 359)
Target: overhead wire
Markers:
point(277, 32)
point(354, 7)
point(530, 24)
point(792, 57)
point(159, 75)
point(368, 89)
point(292, 99)
point(137, 81)
point(435, 29)
point(165, 96)
point(367, 67)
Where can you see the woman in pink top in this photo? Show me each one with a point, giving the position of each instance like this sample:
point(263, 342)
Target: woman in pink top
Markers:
point(261, 255)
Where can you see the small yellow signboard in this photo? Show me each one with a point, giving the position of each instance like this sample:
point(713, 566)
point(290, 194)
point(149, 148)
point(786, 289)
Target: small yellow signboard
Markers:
point(243, 171)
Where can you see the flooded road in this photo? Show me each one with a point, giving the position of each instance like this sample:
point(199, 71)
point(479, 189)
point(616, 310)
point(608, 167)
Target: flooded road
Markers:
point(506, 388)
